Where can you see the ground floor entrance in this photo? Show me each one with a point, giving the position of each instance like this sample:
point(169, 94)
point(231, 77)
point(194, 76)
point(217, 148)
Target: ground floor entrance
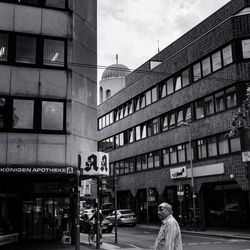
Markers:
point(44, 218)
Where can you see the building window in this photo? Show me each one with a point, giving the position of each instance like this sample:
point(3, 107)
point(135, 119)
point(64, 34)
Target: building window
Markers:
point(138, 133)
point(165, 154)
point(2, 112)
point(181, 149)
point(179, 117)
point(231, 97)
point(164, 125)
point(138, 163)
point(185, 78)
point(148, 98)
point(33, 2)
point(246, 48)
point(144, 162)
point(163, 90)
point(108, 93)
point(23, 114)
point(206, 66)
point(212, 146)
point(223, 145)
point(227, 55)
point(209, 105)
point(26, 49)
point(216, 61)
point(55, 3)
point(173, 155)
point(219, 101)
point(235, 144)
point(150, 160)
point(154, 95)
point(143, 131)
point(52, 115)
point(170, 86)
point(199, 109)
point(196, 72)
point(53, 52)
point(177, 83)
point(188, 116)
point(202, 149)
point(4, 38)
point(157, 157)
point(172, 120)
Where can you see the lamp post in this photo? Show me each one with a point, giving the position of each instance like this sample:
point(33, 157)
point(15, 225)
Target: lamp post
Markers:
point(78, 184)
point(187, 124)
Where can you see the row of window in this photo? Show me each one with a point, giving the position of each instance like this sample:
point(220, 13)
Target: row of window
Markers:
point(208, 65)
point(32, 114)
point(60, 4)
point(18, 48)
point(217, 102)
point(203, 148)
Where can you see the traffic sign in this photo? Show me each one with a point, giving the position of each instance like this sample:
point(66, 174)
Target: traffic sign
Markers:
point(180, 197)
point(180, 193)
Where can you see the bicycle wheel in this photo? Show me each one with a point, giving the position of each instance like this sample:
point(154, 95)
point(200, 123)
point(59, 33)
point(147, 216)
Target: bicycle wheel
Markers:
point(91, 238)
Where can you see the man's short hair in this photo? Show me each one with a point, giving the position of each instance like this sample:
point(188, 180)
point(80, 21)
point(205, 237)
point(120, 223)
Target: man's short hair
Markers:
point(167, 206)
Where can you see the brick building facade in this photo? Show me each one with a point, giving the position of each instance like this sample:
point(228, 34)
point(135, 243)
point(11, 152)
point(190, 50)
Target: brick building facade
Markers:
point(199, 80)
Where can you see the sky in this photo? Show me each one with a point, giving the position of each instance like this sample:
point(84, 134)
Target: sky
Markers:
point(133, 29)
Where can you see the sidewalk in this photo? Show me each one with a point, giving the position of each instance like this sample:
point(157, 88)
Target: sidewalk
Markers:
point(217, 232)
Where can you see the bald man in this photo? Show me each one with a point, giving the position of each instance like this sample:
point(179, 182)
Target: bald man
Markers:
point(169, 236)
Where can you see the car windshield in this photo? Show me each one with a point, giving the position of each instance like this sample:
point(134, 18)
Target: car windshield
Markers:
point(125, 211)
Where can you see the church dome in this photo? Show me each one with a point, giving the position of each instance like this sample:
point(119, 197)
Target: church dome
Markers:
point(115, 70)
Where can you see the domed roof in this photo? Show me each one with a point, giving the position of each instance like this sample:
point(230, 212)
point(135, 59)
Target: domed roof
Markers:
point(115, 70)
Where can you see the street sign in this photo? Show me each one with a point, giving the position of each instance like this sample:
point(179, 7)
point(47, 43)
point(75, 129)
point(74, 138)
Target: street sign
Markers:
point(180, 193)
point(180, 197)
point(95, 163)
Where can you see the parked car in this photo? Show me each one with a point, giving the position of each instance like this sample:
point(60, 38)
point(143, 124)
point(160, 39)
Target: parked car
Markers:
point(124, 217)
point(107, 225)
point(107, 208)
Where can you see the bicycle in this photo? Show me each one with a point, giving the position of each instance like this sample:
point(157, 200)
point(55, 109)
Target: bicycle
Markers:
point(92, 234)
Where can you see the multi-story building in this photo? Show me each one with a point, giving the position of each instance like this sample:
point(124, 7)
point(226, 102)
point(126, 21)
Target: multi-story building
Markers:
point(198, 81)
point(47, 112)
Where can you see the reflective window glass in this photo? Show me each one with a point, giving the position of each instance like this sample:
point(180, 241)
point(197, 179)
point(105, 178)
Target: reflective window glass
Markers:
point(216, 61)
point(170, 86)
point(185, 78)
point(154, 94)
point(188, 116)
point(231, 97)
point(25, 49)
point(173, 155)
point(143, 131)
point(223, 144)
point(199, 109)
point(227, 55)
point(212, 146)
point(142, 101)
point(196, 71)
point(144, 162)
point(2, 111)
point(148, 97)
point(219, 101)
point(163, 90)
point(246, 48)
point(164, 123)
point(4, 47)
point(55, 3)
point(172, 121)
point(206, 66)
point(181, 153)
point(165, 154)
point(52, 115)
point(179, 117)
point(23, 114)
point(178, 83)
point(53, 52)
point(235, 144)
point(157, 157)
point(202, 150)
point(209, 105)
point(150, 160)
point(138, 163)
point(138, 133)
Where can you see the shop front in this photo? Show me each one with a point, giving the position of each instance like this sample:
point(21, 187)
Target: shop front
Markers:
point(38, 207)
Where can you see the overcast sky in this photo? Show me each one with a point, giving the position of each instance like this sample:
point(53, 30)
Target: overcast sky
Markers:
point(132, 28)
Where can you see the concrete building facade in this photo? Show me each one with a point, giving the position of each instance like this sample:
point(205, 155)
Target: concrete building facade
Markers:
point(47, 113)
point(199, 81)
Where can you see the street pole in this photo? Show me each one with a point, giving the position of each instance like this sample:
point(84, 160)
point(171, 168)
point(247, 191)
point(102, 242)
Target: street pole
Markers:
point(192, 171)
point(115, 190)
point(98, 215)
point(78, 204)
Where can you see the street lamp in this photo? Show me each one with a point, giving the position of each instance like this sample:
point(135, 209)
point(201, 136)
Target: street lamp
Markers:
point(187, 124)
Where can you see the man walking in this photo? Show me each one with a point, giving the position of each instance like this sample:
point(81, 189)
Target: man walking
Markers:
point(169, 237)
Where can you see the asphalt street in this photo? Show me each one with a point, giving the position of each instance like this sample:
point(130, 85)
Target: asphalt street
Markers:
point(136, 237)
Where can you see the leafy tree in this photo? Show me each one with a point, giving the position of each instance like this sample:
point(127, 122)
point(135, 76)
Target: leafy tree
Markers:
point(241, 118)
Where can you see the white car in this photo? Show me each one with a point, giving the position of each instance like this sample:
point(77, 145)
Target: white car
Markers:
point(124, 217)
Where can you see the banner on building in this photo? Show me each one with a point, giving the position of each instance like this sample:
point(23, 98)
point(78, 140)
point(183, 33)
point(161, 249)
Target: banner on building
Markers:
point(180, 172)
point(95, 163)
